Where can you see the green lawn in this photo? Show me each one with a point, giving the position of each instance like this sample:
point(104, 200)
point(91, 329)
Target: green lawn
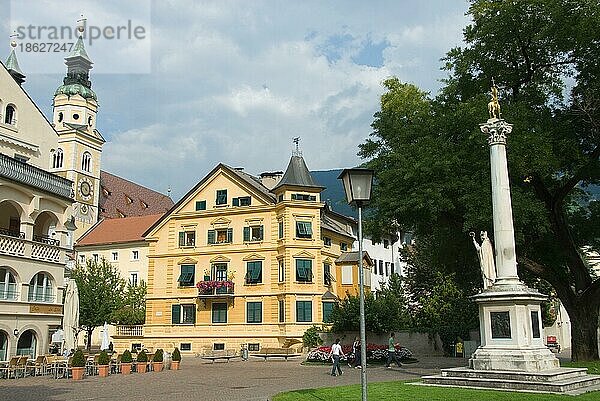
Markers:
point(593, 367)
point(393, 391)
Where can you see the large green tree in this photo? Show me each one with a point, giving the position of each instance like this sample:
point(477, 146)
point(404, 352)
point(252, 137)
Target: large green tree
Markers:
point(101, 292)
point(132, 310)
point(432, 162)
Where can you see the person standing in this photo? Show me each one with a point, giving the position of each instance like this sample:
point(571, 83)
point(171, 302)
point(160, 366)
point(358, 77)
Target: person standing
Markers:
point(336, 353)
point(357, 362)
point(392, 352)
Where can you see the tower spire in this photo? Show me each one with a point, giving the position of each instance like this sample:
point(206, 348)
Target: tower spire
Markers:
point(12, 64)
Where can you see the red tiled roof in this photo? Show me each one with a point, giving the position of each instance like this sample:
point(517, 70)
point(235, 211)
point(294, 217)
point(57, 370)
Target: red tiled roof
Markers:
point(122, 198)
point(113, 231)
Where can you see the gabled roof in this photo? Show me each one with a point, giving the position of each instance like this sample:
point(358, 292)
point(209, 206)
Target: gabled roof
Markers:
point(122, 198)
point(297, 175)
point(352, 257)
point(117, 231)
point(252, 181)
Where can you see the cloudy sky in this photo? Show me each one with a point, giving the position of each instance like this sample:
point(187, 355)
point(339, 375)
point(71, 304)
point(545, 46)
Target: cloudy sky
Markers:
point(235, 81)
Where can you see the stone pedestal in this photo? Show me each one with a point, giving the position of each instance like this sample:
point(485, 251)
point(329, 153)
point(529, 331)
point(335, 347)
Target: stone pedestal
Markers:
point(510, 320)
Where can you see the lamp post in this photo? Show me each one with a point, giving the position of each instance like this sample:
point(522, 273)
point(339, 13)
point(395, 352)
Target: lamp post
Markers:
point(357, 185)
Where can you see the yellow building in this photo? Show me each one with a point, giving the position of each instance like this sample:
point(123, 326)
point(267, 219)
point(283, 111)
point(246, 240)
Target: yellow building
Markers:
point(240, 261)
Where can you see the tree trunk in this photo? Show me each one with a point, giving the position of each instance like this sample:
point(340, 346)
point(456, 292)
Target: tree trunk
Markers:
point(584, 330)
point(89, 338)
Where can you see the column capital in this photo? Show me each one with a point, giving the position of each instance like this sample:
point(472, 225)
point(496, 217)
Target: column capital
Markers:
point(497, 129)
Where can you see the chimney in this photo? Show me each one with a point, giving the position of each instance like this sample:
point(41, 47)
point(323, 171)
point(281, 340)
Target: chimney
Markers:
point(270, 179)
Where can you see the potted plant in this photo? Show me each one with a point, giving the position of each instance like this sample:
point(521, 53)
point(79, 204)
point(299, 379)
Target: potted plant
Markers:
point(78, 365)
point(157, 360)
point(175, 359)
point(126, 360)
point(103, 362)
point(142, 362)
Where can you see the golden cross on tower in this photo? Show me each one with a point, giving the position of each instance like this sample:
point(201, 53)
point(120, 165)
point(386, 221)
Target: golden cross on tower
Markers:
point(494, 105)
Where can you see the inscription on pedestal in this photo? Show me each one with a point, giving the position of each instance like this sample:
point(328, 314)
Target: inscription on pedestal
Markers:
point(500, 324)
point(535, 324)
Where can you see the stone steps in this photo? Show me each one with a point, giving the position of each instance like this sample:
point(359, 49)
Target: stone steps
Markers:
point(563, 380)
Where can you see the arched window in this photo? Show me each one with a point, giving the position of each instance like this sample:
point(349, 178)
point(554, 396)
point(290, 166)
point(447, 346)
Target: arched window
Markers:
point(10, 117)
point(3, 345)
point(8, 284)
point(60, 117)
point(27, 344)
point(40, 288)
point(57, 158)
point(86, 162)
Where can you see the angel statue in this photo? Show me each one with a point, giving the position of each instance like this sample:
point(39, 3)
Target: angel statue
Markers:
point(486, 259)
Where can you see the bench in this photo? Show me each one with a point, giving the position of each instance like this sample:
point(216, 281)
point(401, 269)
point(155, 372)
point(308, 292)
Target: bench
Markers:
point(276, 353)
point(219, 355)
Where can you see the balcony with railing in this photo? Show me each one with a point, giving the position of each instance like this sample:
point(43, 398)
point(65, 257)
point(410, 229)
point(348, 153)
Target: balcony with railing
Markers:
point(41, 296)
point(8, 292)
point(35, 177)
point(38, 249)
point(215, 288)
point(130, 331)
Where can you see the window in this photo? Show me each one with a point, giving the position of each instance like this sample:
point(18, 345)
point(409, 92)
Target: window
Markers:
point(57, 158)
point(281, 311)
point(346, 274)
point(60, 117)
point(186, 277)
point(381, 267)
point(280, 229)
point(241, 201)
point(221, 197)
point(326, 241)
point(219, 312)
point(343, 246)
point(304, 311)
point(374, 266)
point(135, 255)
point(220, 236)
point(201, 205)
point(304, 270)
point(253, 347)
point(75, 116)
point(86, 162)
point(326, 274)
point(115, 256)
point(133, 278)
point(40, 288)
point(386, 243)
point(82, 259)
point(187, 238)
point(387, 268)
point(21, 158)
point(218, 346)
point(95, 256)
point(281, 275)
point(253, 233)
point(183, 314)
point(10, 116)
point(327, 310)
point(253, 312)
point(303, 229)
point(280, 199)
point(304, 197)
point(254, 272)
point(8, 285)
point(185, 346)
point(391, 268)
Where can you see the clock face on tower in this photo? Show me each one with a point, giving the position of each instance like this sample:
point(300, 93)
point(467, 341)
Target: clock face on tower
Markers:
point(85, 189)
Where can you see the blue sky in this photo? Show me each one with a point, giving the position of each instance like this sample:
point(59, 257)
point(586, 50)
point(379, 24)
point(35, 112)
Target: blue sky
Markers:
point(234, 81)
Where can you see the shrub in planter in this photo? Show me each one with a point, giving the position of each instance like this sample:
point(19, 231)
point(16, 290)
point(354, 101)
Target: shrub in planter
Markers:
point(103, 362)
point(157, 360)
point(175, 359)
point(126, 360)
point(78, 365)
point(142, 362)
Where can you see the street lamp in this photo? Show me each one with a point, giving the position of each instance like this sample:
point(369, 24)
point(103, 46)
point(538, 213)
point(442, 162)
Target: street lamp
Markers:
point(357, 185)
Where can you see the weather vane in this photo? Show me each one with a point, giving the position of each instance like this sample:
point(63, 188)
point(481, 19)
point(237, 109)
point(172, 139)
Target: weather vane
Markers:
point(494, 105)
point(296, 151)
point(81, 25)
point(13, 42)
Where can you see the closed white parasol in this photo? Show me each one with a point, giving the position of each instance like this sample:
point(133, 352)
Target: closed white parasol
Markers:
point(71, 315)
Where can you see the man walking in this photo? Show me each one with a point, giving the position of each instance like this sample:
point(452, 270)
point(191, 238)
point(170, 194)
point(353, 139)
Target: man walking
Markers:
point(392, 352)
point(336, 353)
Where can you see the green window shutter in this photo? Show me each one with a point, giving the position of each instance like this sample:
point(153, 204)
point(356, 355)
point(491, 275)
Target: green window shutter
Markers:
point(303, 311)
point(261, 233)
point(201, 205)
point(235, 201)
point(211, 236)
point(281, 311)
point(181, 239)
point(193, 314)
point(308, 228)
point(327, 310)
point(257, 271)
point(230, 235)
point(246, 234)
point(293, 196)
point(254, 312)
point(281, 229)
point(175, 314)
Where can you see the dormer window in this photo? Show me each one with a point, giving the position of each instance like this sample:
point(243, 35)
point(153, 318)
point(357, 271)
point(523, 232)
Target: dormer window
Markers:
point(57, 158)
point(10, 117)
point(304, 197)
point(86, 162)
point(221, 197)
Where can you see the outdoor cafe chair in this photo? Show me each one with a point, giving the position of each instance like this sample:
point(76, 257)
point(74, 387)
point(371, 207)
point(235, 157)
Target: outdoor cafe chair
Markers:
point(22, 364)
point(39, 366)
point(11, 367)
point(115, 364)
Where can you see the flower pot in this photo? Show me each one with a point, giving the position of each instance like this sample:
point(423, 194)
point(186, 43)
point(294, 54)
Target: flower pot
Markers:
point(174, 365)
point(78, 373)
point(157, 366)
point(126, 368)
point(103, 370)
point(206, 278)
point(141, 367)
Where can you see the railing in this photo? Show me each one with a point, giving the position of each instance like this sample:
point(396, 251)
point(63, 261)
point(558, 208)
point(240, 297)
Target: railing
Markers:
point(130, 331)
point(44, 239)
point(214, 288)
point(9, 293)
point(49, 253)
point(12, 233)
point(10, 245)
point(27, 174)
point(48, 297)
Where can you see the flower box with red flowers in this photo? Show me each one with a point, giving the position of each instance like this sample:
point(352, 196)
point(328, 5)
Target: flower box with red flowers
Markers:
point(215, 287)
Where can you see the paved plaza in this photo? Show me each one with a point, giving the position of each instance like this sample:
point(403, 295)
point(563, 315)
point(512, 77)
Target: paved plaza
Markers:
point(197, 379)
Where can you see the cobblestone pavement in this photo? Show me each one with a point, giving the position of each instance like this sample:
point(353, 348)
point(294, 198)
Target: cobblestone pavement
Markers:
point(220, 381)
